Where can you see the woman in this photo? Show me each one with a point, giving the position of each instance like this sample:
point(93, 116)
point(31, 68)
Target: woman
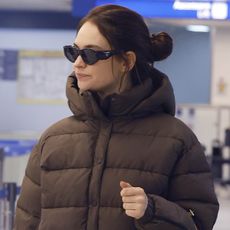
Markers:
point(122, 161)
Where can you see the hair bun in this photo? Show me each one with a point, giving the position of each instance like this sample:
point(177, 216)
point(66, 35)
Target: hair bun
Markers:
point(162, 46)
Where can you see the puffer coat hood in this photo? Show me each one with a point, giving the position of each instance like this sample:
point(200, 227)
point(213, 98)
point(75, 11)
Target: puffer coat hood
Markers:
point(72, 179)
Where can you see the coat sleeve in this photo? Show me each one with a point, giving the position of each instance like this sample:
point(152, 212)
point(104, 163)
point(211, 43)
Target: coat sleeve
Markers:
point(191, 202)
point(28, 207)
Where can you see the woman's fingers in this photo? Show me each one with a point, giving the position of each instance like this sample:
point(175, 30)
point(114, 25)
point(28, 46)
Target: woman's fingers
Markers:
point(134, 200)
point(132, 191)
point(130, 206)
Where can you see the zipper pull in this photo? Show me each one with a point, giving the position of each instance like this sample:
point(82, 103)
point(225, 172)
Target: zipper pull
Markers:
point(191, 212)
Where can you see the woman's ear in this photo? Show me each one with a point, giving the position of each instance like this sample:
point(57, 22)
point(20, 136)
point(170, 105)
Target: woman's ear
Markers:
point(130, 60)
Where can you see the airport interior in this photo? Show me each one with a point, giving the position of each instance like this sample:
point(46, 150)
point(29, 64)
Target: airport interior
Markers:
point(32, 36)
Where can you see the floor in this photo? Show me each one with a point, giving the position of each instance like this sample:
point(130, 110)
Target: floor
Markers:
point(223, 220)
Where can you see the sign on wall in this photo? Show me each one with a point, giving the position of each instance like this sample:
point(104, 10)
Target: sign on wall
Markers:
point(42, 76)
point(8, 64)
point(190, 9)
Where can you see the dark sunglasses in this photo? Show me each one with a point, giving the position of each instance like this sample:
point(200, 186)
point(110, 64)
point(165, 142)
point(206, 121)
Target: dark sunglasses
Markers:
point(89, 56)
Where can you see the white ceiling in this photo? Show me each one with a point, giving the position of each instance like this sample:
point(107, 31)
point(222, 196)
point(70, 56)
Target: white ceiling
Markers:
point(53, 5)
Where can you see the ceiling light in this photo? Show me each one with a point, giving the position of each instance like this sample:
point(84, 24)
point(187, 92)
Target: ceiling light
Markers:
point(197, 28)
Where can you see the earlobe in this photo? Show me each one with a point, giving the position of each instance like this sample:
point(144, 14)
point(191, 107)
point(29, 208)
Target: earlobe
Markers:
point(130, 60)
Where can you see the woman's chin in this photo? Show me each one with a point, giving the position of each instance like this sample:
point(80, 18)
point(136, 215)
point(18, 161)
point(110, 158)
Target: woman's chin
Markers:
point(83, 87)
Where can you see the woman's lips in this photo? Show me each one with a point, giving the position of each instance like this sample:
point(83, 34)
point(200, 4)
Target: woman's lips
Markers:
point(83, 77)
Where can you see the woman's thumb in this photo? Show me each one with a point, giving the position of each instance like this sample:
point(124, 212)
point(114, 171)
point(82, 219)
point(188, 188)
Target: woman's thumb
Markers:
point(124, 184)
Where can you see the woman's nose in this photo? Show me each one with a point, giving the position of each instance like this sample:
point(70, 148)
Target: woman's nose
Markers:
point(79, 62)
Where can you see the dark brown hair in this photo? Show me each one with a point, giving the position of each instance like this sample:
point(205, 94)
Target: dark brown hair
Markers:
point(126, 30)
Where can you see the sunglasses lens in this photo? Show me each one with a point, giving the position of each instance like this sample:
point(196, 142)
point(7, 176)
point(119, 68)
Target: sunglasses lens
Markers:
point(89, 56)
point(71, 53)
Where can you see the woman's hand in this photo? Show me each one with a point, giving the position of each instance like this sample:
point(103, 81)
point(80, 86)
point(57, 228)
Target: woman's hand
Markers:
point(134, 200)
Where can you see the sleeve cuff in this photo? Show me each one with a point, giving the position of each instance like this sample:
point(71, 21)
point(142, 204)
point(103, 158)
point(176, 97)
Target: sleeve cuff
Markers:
point(149, 212)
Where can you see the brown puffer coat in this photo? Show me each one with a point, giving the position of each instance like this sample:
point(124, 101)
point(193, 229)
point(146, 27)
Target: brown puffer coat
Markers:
point(72, 178)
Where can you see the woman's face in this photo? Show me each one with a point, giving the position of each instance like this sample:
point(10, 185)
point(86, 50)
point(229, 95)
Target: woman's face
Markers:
point(104, 75)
